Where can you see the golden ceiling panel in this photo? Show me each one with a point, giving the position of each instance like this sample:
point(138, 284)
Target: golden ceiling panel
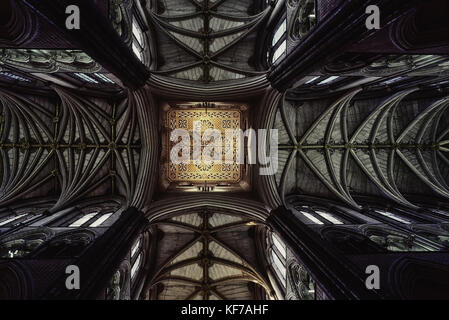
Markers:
point(220, 120)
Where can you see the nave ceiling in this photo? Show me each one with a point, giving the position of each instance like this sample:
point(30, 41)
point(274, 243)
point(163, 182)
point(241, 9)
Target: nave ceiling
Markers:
point(207, 254)
point(208, 41)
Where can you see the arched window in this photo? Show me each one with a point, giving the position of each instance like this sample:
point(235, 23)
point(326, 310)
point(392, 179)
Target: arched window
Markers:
point(328, 216)
point(138, 43)
point(279, 42)
point(13, 219)
point(322, 80)
point(128, 21)
point(393, 216)
point(91, 220)
point(86, 78)
point(83, 220)
point(319, 216)
point(100, 220)
point(278, 258)
point(10, 220)
point(93, 78)
point(136, 258)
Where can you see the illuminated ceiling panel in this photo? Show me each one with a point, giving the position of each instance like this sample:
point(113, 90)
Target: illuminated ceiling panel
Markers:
point(220, 120)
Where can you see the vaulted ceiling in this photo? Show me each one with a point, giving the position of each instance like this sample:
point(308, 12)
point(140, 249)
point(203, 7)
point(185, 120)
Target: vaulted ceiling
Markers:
point(207, 254)
point(67, 147)
point(353, 145)
point(336, 139)
point(209, 40)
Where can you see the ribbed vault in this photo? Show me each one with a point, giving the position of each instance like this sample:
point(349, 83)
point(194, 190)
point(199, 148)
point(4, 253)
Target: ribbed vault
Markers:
point(381, 146)
point(209, 40)
point(207, 254)
point(68, 148)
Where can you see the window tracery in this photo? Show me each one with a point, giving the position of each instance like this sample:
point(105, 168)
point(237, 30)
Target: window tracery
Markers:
point(304, 19)
point(395, 241)
point(24, 243)
point(302, 282)
point(279, 42)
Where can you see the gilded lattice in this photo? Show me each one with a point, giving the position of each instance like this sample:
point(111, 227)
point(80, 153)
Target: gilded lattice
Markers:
point(221, 120)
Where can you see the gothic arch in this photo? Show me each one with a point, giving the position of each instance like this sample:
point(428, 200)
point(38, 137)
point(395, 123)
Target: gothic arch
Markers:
point(349, 241)
point(394, 240)
point(414, 279)
point(15, 281)
point(68, 244)
point(302, 284)
point(25, 243)
point(304, 19)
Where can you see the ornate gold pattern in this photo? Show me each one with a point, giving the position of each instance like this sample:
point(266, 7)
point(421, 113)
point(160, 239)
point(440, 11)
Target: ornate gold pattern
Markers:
point(221, 120)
